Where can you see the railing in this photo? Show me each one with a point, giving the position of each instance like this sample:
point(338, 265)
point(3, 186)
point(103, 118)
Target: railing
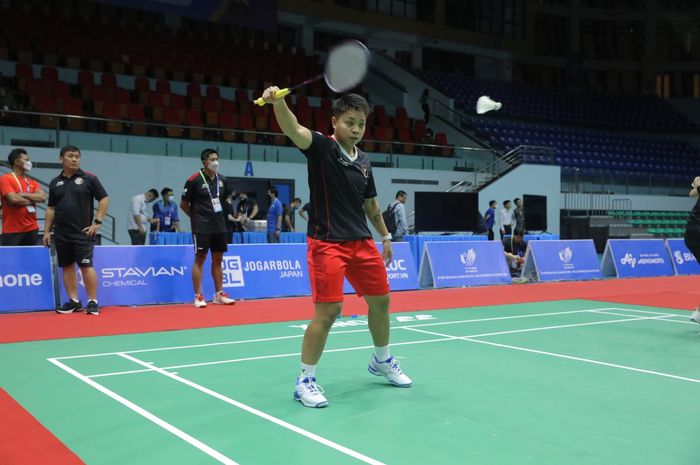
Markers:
point(497, 168)
point(172, 139)
point(590, 203)
point(107, 230)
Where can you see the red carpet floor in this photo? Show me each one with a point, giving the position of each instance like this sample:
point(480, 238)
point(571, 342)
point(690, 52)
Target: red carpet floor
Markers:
point(25, 441)
point(676, 292)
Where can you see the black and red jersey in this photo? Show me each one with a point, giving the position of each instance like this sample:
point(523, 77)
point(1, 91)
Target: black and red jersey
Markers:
point(73, 200)
point(338, 187)
point(199, 191)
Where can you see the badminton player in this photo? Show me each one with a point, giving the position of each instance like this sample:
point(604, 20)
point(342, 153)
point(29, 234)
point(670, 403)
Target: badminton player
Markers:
point(692, 234)
point(339, 242)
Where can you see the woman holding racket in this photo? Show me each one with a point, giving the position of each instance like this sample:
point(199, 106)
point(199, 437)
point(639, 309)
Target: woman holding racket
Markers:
point(339, 242)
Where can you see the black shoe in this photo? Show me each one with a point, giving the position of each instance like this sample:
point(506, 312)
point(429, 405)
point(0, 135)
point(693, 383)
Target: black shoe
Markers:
point(70, 306)
point(93, 308)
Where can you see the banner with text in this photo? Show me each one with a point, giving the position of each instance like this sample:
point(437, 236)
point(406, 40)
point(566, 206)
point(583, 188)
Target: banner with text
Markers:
point(454, 264)
point(633, 258)
point(140, 275)
point(684, 262)
point(401, 271)
point(26, 282)
point(567, 260)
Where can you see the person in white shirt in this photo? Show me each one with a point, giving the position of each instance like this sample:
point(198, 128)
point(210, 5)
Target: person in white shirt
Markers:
point(400, 216)
point(138, 217)
point(505, 215)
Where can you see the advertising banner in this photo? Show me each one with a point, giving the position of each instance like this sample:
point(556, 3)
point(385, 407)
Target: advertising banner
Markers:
point(633, 258)
point(139, 275)
point(683, 261)
point(567, 260)
point(402, 271)
point(454, 264)
point(25, 279)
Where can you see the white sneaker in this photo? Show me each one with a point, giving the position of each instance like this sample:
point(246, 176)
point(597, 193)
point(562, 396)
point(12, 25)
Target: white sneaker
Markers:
point(199, 301)
point(389, 370)
point(695, 316)
point(222, 298)
point(310, 395)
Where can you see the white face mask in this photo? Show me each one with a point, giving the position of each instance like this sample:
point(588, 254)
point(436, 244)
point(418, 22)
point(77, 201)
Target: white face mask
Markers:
point(27, 166)
point(214, 165)
point(170, 198)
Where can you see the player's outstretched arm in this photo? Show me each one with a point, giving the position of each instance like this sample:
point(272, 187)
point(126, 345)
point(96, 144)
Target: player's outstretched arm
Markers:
point(300, 136)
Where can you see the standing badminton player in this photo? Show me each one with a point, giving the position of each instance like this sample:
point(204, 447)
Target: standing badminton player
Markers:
point(692, 234)
point(339, 242)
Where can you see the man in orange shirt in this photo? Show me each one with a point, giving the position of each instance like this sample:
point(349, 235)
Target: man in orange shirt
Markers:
point(20, 194)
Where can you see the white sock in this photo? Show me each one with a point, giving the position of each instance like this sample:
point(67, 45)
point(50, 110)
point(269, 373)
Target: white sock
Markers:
point(92, 300)
point(308, 371)
point(382, 353)
point(74, 300)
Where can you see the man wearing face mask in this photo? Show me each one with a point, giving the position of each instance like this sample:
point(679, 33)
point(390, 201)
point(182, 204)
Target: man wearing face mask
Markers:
point(165, 215)
point(202, 199)
point(20, 194)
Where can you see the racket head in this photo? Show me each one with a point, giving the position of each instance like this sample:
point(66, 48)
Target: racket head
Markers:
point(346, 65)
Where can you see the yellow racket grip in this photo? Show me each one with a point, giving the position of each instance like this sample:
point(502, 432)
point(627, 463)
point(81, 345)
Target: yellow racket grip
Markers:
point(281, 93)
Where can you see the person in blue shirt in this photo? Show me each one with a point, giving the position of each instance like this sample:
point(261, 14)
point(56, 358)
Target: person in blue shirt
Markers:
point(490, 218)
point(165, 213)
point(274, 216)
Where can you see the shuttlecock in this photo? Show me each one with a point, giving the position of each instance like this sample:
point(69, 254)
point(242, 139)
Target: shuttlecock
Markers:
point(485, 104)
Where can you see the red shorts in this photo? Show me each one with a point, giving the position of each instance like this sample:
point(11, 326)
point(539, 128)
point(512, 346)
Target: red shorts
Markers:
point(359, 261)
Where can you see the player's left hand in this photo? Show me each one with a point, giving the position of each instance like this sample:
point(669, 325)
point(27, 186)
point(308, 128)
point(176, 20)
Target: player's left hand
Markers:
point(91, 230)
point(387, 252)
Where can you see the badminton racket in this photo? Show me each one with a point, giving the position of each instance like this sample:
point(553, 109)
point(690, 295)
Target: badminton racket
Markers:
point(345, 68)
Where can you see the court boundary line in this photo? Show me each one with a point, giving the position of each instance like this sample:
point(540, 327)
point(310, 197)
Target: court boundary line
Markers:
point(259, 413)
point(606, 312)
point(213, 453)
point(564, 356)
point(347, 349)
point(150, 367)
point(350, 331)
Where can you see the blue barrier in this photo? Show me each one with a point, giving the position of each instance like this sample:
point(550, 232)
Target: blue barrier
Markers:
point(453, 264)
point(170, 238)
point(140, 275)
point(684, 262)
point(417, 242)
point(25, 279)
point(568, 260)
point(401, 271)
point(627, 258)
point(180, 238)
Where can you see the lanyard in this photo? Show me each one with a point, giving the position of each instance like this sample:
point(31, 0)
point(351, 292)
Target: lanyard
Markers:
point(207, 184)
point(26, 183)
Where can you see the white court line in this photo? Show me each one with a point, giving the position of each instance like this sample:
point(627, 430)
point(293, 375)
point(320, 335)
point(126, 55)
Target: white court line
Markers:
point(261, 357)
point(218, 456)
point(553, 354)
point(256, 412)
point(293, 354)
point(296, 336)
point(665, 317)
